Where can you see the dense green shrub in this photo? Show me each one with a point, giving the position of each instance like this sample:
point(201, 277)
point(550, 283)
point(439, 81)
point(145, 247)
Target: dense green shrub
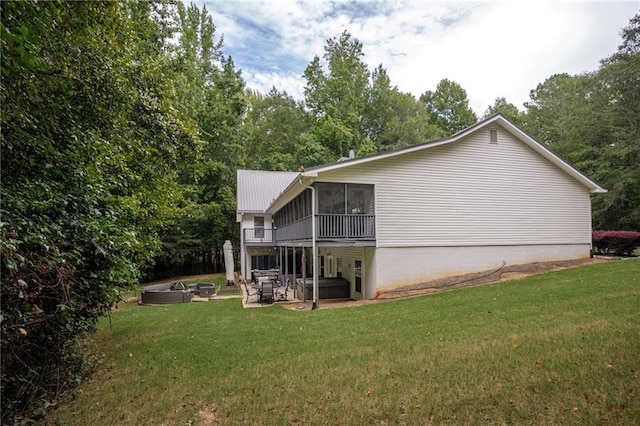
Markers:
point(616, 242)
point(89, 148)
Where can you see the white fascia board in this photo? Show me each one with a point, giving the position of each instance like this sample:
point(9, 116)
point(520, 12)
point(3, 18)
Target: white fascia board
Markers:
point(251, 211)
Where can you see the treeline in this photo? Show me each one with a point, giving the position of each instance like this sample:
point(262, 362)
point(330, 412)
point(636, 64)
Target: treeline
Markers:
point(123, 125)
point(592, 119)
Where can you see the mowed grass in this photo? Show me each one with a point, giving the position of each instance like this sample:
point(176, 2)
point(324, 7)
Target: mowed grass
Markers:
point(557, 348)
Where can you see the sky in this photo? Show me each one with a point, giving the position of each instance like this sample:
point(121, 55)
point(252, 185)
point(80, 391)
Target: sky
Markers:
point(492, 49)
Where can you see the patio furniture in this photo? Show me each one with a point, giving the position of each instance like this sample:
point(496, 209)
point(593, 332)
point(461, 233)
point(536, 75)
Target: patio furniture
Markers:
point(281, 292)
point(250, 290)
point(272, 274)
point(266, 293)
point(237, 276)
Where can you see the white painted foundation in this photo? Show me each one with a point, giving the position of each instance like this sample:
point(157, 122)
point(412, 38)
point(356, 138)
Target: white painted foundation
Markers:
point(402, 266)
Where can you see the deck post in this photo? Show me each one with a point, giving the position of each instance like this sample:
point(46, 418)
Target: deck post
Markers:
point(314, 248)
point(295, 285)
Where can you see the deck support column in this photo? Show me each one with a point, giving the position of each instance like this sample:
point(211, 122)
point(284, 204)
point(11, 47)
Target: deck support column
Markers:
point(314, 248)
point(295, 286)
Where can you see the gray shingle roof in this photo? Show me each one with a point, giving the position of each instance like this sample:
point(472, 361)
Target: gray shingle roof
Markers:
point(257, 189)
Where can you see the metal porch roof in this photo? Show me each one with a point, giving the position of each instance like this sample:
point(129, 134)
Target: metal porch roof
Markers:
point(257, 188)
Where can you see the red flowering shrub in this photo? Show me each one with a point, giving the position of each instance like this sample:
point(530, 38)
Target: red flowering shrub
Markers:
point(615, 242)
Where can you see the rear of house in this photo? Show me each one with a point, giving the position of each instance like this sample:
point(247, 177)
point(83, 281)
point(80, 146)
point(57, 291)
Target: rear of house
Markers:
point(487, 196)
point(256, 189)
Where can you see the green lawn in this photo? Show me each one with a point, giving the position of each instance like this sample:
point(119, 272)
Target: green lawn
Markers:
point(557, 348)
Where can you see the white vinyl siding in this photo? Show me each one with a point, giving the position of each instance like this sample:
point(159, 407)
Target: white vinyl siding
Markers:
point(248, 221)
point(471, 192)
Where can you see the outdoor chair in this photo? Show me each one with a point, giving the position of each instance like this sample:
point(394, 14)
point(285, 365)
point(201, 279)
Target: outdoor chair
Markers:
point(249, 290)
point(238, 278)
point(281, 292)
point(266, 295)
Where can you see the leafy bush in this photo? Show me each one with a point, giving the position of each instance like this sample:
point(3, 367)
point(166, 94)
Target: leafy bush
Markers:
point(616, 242)
point(90, 146)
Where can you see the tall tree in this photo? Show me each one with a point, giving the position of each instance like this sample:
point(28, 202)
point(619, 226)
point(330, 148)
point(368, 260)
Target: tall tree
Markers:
point(592, 119)
point(408, 123)
point(630, 37)
point(90, 144)
point(394, 119)
point(505, 108)
point(448, 107)
point(275, 127)
point(377, 108)
point(211, 93)
point(619, 83)
point(555, 107)
point(336, 95)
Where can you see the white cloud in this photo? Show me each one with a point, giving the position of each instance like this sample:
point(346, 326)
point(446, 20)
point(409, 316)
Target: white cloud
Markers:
point(491, 49)
point(290, 83)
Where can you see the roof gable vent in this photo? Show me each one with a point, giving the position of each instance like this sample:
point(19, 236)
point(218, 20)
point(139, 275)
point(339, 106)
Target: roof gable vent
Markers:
point(493, 136)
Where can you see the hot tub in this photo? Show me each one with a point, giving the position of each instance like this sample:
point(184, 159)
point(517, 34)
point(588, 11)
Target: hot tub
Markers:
point(328, 288)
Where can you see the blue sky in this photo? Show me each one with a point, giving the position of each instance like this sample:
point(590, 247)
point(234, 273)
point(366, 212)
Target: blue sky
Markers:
point(491, 49)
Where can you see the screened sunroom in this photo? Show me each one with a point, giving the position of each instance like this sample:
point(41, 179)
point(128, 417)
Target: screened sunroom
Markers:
point(344, 211)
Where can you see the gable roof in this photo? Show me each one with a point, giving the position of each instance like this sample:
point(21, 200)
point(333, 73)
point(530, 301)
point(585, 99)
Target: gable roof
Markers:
point(497, 119)
point(312, 172)
point(256, 189)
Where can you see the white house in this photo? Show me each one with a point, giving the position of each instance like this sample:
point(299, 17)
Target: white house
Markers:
point(486, 196)
point(256, 189)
